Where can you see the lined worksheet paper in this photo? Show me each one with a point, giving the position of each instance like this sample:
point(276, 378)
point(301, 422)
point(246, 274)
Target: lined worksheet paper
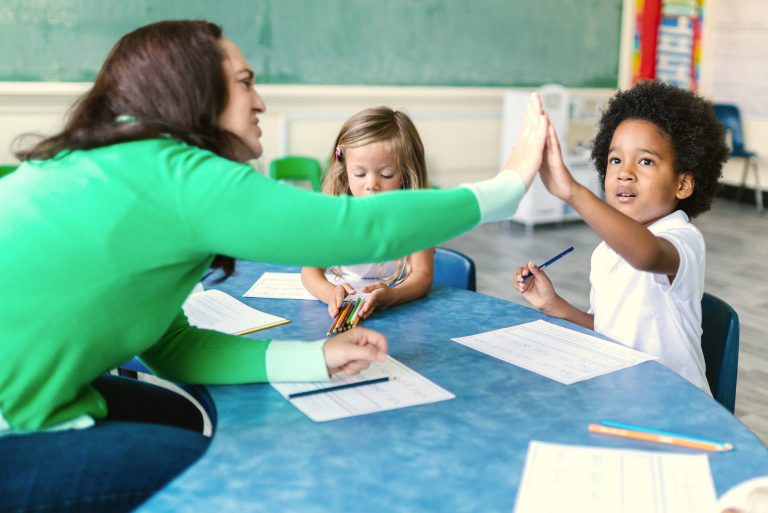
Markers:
point(404, 388)
point(216, 310)
point(559, 478)
point(559, 353)
point(279, 286)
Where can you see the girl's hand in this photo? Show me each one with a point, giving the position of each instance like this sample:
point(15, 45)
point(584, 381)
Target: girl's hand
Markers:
point(336, 298)
point(554, 174)
point(538, 289)
point(354, 350)
point(380, 294)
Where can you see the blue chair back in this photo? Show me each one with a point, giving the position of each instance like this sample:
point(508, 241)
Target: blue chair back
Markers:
point(297, 168)
point(720, 344)
point(454, 269)
point(730, 117)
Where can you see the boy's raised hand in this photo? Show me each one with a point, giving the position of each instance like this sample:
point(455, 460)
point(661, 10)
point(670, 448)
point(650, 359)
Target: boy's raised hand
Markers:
point(537, 289)
point(336, 298)
point(555, 176)
point(527, 155)
point(354, 350)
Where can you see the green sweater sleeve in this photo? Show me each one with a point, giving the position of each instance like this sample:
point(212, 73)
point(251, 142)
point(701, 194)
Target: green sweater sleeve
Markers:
point(230, 209)
point(191, 355)
point(233, 210)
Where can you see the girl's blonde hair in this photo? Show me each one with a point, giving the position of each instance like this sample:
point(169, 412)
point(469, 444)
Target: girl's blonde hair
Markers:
point(396, 131)
point(378, 125)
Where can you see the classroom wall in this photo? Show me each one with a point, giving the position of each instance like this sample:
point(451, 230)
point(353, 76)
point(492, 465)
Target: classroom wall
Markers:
point(735, 70)
point(460, 127)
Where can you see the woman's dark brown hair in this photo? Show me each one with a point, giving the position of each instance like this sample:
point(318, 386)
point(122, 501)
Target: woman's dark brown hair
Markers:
point(166, 79)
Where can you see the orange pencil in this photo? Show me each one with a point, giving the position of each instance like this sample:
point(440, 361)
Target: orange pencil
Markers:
point(662, 438)
point(352, 314)
point(343, 317)
point(335, 322)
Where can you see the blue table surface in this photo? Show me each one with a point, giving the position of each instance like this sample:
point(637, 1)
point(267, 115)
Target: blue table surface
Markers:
point(461, 455)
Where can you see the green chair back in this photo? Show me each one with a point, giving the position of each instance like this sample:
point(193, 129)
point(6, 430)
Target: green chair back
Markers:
point(6, 170)
point(297, 168)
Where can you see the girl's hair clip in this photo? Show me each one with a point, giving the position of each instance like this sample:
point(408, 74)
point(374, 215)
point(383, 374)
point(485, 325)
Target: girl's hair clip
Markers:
point(338, 152)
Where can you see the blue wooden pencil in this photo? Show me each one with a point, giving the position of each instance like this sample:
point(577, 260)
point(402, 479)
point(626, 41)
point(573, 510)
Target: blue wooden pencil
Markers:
point(338, 387)
point(550, 261)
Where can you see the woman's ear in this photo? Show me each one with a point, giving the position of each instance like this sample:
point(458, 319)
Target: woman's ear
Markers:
point(685, 186)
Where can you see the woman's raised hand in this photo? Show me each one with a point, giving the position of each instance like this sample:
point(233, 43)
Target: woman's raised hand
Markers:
point(527, 155)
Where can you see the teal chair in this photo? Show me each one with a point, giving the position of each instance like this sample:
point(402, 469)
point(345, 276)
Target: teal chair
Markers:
point(297, 168)
point(6, 170)
point(454, 269)
point(720, 344)
point(730, 116)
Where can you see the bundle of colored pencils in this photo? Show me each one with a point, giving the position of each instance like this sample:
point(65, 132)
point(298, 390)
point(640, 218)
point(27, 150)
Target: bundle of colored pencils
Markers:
point(348, 317)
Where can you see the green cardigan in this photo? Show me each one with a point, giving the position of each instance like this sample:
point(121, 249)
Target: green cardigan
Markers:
point(100, 248)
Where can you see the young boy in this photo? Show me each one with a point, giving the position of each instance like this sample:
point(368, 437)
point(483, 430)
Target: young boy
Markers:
point(659, 152)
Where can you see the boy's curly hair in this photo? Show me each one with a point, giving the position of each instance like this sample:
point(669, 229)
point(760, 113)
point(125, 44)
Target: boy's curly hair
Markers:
point(697, 137)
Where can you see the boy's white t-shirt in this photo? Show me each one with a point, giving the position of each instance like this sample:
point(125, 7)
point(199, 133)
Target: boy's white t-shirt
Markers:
point(644, 311)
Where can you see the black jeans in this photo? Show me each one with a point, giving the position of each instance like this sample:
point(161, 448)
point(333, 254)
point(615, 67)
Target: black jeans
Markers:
point(149, 437)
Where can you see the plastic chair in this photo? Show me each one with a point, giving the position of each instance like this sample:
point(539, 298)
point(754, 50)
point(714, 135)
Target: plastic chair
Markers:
point(6, 170)
point(720, 344)
point(454, 269)
point(730, 117)
point(297, 168)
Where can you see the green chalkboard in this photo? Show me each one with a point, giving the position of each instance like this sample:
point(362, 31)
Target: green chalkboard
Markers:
point(371, 42)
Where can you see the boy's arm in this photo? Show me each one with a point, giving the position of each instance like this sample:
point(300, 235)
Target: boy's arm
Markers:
point(314, 280)
point(415, 285)
point(633, 241)
point(540, 293)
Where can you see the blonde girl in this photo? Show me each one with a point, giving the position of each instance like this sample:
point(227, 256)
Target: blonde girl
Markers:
point(377, 150)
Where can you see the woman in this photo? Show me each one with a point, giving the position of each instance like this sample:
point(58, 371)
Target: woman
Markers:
point(108, 225)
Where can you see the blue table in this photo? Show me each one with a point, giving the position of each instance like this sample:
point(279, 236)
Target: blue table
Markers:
point(461, 455)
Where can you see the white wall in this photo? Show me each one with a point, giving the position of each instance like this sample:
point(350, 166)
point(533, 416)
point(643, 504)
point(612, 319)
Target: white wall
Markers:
point(460, 127)
point(735, 70)
point(717, 17)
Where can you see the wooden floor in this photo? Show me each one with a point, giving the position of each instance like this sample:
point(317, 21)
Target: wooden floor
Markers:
point(737, 272)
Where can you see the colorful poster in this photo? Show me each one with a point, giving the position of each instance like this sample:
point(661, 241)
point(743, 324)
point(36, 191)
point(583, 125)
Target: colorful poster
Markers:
point(668, 41)
point(646, 30)
point(677, 47)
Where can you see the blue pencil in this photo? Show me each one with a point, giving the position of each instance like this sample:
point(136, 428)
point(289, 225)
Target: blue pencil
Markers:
point(338, 387)
point(550, 261)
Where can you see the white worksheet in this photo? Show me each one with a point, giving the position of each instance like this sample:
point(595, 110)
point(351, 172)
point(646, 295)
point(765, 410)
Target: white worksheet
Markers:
point(216, 310)
point(559, 353)
point(578, 478)
point(404, 388)
point(279, 286)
